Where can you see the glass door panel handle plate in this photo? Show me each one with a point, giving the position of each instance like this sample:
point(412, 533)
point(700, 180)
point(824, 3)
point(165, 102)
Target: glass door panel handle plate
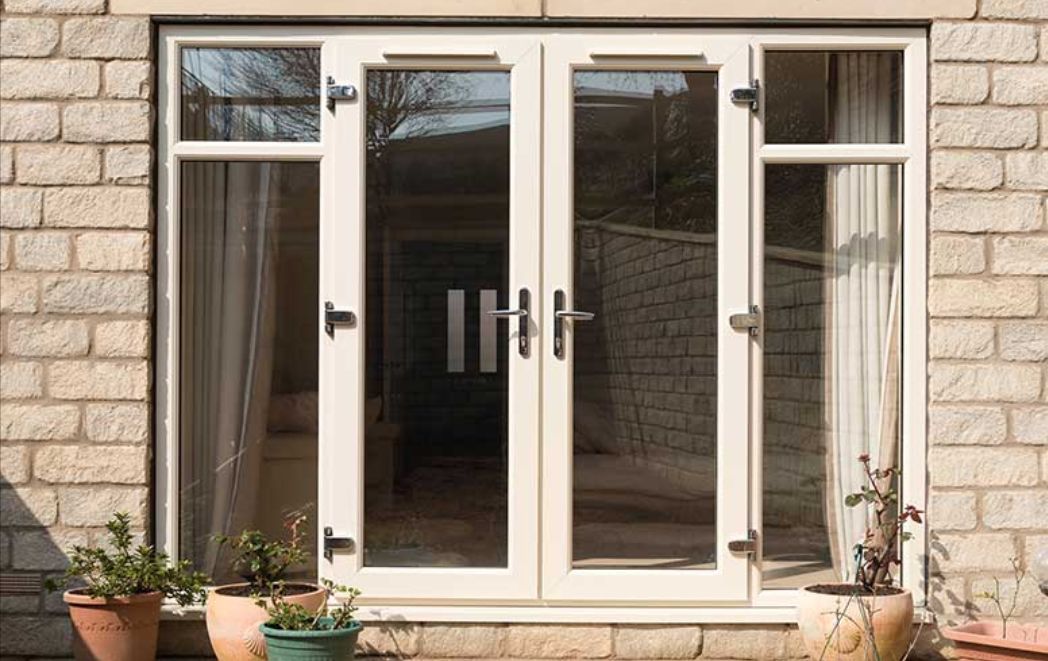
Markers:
point(521, 312)
point(559, 315)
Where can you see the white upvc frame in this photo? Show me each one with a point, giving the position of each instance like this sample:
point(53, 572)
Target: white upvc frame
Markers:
point(763, 605)
point(910, 154)
point(727, 55)
point(342, 354)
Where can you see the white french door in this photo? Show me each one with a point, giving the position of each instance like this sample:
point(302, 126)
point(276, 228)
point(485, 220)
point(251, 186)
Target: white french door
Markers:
point(541, 239)
point(644, 383)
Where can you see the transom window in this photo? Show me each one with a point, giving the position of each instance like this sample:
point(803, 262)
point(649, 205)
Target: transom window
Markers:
point(593, 319)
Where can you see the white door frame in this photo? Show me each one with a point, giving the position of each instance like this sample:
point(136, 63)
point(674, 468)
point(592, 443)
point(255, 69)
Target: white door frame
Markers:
point(342, 354)
point(729, 56)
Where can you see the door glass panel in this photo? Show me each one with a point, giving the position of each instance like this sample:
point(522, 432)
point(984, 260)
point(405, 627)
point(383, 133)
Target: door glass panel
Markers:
point(831, 360)
point(833, 97)
point(436, 424)
point(645, 382)
point(249, 266)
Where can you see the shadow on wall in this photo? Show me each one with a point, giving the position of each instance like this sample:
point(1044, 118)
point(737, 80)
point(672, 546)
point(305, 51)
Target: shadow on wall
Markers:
point(32, 622)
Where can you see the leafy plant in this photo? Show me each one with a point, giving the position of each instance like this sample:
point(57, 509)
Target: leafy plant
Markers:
point(1019, 574)
point(122, 571)
point(262, 562)
point(880, 545)
point(296, 617)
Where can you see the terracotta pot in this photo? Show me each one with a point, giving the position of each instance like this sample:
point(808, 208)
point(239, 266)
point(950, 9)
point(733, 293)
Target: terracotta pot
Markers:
point(232, 621)
point(115, 629)
point(982, 641)
point(832, 625)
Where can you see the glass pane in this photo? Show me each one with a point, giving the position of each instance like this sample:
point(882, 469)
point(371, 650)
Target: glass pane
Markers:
point(248, 354)
point(435, 464)
point(645, 377)
point(251, 94)
point(831, 359)
point(824, 97)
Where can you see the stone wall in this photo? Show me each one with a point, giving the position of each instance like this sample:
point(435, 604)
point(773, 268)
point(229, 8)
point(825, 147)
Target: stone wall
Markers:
point(988, 303)
point(76, 119)
point(75, 251)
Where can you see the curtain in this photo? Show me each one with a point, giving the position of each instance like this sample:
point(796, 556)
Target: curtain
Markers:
point(228, 323)
point(864, 298)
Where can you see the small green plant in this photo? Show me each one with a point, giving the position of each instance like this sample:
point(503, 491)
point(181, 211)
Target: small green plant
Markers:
point(879, 550)
point(121, 571)
point(261, 561)
point(295, 617)
point(1019, 575)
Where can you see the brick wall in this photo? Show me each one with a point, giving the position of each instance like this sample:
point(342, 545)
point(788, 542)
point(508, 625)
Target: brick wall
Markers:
point(75, 253)
point(988, 303)
point(75, 246)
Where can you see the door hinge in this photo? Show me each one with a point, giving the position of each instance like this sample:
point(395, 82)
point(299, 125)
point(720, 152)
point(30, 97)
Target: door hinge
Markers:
point(749, 321)
point(333, 317)
point(332, 543)
point(750, 95)
point(748, 545)
point(336, 92)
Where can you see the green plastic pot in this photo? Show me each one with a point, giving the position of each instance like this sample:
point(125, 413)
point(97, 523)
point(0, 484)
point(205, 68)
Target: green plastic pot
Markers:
point(322, 645)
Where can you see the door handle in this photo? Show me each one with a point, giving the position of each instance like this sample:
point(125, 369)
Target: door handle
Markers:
point(559, 315)
point(521, 313)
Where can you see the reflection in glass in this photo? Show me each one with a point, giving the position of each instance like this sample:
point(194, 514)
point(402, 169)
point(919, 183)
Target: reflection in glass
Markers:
point(437, 253)
point(833, 97)
point(248, 354)
point(645, 377)
point(831, 359)
point(251, 94)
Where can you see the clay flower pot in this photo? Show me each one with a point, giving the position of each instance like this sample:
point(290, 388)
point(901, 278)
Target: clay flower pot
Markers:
point(832, 624)
point(320, 645)
point(233, 620)
point(114, 629)
point(982, 641)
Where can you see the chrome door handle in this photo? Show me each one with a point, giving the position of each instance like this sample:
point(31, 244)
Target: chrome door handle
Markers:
point(559, 315)
point(521, 312)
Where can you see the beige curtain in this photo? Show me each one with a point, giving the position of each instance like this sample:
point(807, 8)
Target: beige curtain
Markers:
point(228, 322)
point(864, 301)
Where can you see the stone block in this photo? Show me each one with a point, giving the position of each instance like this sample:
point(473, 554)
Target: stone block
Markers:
point(1020, 255)
point(15, 467)
point(985, 212)
point(44, 550)
point(115, 464)
point(957, 255)
point(55, 6)
point(20, 207)
point(7, 164)
point(967, 425)
point(101, 207)
point(1027, 170)
point(1024, 340)
point(657, 641)
point(18, 293)
point(761, 642)
point(113, 251)
point(107, 121)
point(88, 293)
point(128, 164)
point(38, 634)
point(28, 37)
point(983, 42)
point(21, 380)
point(28, 506)
point(107, 37)
point(87, 379)
point(952, 510)
point(122, 339)
point(128, 79)
point(982, 467)
point(94, 505)
point(462, 640)
point(39, 422)
point(396, 639)
point(953, 553)
point(1015, 509)
point(42, 251)
point(983, 127)
point(966, 170)
point(984, 383)
point(50, 165)
point(47, 337)
point(959, 83)
point(1030, 425)
point(109, 422)
point(1030, 603)
point(560, 641)
point(961, 339)
point(28, 122)
point(1014, 9)
point(49, 79)
point(1020, 85)
point(1002, 297)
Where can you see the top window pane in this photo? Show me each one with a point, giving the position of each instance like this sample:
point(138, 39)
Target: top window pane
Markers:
point(240, 94)
point(833, 97)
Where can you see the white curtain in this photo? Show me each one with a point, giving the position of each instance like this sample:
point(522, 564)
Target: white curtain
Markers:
point(864, 297)
point(228, 323)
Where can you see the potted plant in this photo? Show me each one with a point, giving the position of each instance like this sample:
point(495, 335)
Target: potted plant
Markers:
point(233, 611)
point(296, 633)
point(1000, 641)
point(116, 614)
point(870, 618)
